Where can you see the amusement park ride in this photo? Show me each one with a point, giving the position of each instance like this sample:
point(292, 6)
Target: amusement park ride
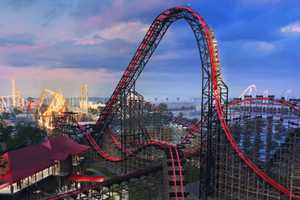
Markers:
point(49, 105)
point(15, 100)
point(56, 104)
point(130, 136)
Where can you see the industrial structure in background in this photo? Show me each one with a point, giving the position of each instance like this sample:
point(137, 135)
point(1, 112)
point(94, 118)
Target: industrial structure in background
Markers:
point(250, 91)
point(83, 102)
point(245, 148)
point(13, 101)
point(51, 104)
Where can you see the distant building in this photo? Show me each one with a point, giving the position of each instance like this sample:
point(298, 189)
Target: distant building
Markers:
point(22, 169)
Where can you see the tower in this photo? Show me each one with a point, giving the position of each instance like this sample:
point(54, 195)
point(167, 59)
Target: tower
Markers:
point(83, 100)
point(13, 92)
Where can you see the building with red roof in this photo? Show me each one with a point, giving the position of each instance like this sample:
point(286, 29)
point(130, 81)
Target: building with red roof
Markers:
point(23, 167)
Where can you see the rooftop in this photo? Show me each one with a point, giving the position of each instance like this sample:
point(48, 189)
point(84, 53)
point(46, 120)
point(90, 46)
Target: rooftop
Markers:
point(21, 163)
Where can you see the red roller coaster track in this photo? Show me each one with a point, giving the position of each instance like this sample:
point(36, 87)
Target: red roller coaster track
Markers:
point(294, 107)
point(134, 67)
point(217, 99)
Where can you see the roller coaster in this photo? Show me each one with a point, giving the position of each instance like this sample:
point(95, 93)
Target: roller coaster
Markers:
point(124, 134)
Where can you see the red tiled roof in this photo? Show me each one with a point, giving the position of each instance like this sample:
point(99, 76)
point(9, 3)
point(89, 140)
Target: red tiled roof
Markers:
point(29, 160)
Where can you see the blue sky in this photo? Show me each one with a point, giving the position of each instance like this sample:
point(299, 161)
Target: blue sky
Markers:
point(62, 44)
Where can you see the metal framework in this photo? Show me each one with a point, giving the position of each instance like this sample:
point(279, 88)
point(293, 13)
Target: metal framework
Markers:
point(226, 171)
point(212, 98)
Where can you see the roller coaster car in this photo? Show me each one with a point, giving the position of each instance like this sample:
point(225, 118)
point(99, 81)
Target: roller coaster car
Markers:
point(246, 117)
point(237, 99)
point(293, 123)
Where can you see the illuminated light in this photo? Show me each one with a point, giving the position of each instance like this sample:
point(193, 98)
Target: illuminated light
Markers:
point(216, 95)
point(85, 178)
point(57, 106)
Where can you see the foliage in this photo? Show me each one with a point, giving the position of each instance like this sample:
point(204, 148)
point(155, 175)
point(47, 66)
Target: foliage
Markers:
point(163, 107)
point(20, 135)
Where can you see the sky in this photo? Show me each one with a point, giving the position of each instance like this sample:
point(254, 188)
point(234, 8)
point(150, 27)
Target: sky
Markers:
point(58, 44)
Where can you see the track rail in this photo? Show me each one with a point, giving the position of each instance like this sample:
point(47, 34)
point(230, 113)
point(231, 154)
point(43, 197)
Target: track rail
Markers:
point(259, 172)
point(105, 183)
point(289, 104)
point(133, 70)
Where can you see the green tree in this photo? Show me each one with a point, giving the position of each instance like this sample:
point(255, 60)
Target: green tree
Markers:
point(20, 135)
point(163, 107)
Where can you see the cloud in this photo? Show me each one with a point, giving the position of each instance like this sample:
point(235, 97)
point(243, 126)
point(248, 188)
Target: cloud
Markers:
point(32, 80)
point(266, 47)
point(128, 31)
point(131, 31)
point(260, 2)
point(249, 48)
point(88, 40)
point(293, 28)
point(80, 36)
point(17, 39)
point(174, 54)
